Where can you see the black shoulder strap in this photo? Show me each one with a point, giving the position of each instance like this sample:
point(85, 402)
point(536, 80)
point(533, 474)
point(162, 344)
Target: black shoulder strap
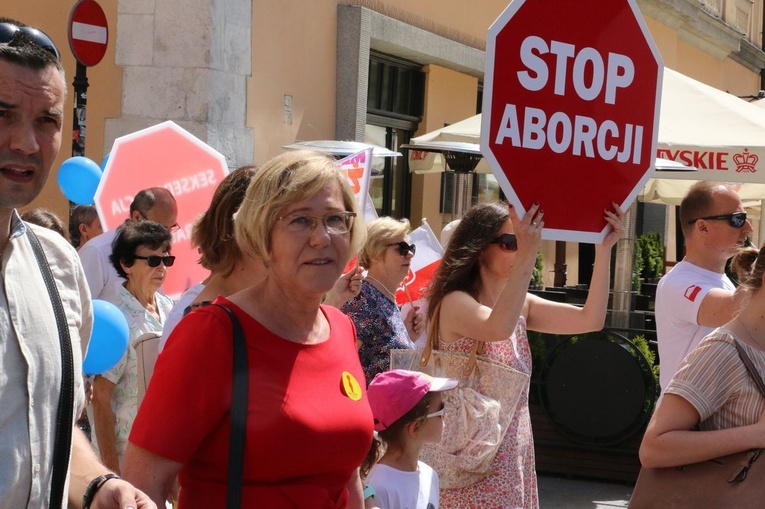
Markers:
point(239, 398)
point(64, 417)
point(756, 378)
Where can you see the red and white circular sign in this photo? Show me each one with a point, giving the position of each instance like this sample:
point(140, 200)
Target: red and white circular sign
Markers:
point(88, 32)
point(571, 109)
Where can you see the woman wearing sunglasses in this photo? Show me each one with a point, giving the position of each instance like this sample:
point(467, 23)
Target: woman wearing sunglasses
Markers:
point(481, 290)
point(379, 324)
point(141, 255)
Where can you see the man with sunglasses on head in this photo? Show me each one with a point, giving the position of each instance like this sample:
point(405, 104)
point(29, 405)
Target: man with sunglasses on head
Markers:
point(154, 204)
point(696, 296)
point(32, 102)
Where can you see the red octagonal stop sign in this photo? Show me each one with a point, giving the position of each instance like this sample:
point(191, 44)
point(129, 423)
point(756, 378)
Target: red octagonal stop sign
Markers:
point(571, 109)
point(164, 155)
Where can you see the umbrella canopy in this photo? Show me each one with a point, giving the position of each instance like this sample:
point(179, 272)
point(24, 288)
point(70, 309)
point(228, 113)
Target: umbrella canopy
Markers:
point(341, 148)
point(720, 135)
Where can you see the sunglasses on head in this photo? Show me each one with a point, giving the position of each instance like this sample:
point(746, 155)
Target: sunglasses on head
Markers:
point(506, 242)
point(154, 261)
point(404, 248)
point(8, 30)
point(736, 220)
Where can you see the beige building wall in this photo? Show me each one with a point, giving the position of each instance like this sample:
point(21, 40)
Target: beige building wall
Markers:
point(449, 97)
point(723, 74)
point(293, 54)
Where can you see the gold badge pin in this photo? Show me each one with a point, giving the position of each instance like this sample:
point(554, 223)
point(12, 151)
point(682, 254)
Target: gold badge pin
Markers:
point(351, 386)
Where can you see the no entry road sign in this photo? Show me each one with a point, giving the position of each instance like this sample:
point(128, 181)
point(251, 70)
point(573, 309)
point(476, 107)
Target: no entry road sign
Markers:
point(88, 32)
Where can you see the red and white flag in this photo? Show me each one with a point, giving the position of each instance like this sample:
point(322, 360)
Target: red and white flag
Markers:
point(358, 169)
point(423, 266)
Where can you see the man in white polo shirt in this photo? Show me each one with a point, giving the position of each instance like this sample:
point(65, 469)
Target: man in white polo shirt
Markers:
point(696, 296)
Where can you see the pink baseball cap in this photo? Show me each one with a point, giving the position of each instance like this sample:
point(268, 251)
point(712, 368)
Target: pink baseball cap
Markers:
point(393, 393)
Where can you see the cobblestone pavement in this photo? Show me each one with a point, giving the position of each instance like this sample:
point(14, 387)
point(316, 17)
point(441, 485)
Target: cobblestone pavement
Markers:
point(565, 493)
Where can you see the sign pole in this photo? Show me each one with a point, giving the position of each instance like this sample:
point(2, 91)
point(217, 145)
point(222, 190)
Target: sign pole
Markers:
point(79, 123)
point(88, 34)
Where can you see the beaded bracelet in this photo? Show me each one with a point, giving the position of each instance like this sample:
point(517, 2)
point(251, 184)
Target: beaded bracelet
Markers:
point(94, 486)
point(369, 492)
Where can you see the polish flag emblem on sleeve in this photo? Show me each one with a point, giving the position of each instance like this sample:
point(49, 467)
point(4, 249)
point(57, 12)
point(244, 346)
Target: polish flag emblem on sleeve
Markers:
point(423, 266)
point(692, 292)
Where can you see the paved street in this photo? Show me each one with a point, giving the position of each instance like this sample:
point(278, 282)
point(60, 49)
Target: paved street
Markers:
point(562, 493)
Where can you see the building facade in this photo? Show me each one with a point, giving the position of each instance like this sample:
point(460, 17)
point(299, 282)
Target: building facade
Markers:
point(249, 76)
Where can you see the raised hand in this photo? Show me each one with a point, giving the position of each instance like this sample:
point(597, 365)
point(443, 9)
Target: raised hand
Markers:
point(616, 220)
point(528, 231)
point(347, 287)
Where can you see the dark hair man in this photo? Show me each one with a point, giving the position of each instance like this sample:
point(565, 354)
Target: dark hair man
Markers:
point(32, 93)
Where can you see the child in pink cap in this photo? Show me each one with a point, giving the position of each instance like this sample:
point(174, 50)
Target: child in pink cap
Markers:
point(407, 410)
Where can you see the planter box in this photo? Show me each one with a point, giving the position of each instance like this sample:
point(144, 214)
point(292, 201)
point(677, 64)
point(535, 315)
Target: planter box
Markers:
point(556, 454)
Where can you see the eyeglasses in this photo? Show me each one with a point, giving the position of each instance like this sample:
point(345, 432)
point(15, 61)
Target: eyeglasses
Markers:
point(335, 224)
point(154, 261)
point(437, 413)
point(8, 30)
point(404, 248)
point(736, 220)
point(506, 241)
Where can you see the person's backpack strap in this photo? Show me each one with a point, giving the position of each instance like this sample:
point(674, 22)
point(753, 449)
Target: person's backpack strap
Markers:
point(65, 413)
point(239, 398)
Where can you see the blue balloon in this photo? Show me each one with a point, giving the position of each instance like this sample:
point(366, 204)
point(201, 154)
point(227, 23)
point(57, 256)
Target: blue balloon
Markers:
point(109, 339)
point(104, 161)
point(78, 179)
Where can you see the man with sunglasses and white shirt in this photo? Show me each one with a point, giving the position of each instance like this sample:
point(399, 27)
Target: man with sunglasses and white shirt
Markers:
point(32, 103)
point(696, 296)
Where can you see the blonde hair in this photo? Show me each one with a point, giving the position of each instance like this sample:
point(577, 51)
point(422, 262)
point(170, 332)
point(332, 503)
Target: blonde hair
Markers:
point(285, 179)
point(379, 234)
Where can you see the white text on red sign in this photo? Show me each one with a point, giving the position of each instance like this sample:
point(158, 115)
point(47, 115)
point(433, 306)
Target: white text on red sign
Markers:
point(534, 128)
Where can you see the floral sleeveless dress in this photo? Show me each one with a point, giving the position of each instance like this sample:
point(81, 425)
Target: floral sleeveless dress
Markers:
point(514, 481)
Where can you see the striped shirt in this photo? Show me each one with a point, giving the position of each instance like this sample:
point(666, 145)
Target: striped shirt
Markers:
point(714, 380)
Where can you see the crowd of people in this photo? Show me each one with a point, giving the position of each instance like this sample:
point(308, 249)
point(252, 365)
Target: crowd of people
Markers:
point(277, 367)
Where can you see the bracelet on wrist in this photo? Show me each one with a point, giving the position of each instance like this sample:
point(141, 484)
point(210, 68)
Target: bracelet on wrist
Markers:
point(93, 488)
point(369, 492)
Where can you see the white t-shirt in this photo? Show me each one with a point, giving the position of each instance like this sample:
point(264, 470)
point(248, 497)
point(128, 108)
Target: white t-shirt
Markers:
point(398, 489)
point(177, 312)
point(678, 298)
point(103, 280)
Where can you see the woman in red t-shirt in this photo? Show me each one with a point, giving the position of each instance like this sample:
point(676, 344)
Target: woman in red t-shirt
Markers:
point(308, 421)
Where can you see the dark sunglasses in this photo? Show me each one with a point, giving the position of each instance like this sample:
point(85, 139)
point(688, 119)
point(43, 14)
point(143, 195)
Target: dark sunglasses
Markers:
point(736, 220)
point(506, 242)
point(154, 261)
point(8, 30)
point(404, 248)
